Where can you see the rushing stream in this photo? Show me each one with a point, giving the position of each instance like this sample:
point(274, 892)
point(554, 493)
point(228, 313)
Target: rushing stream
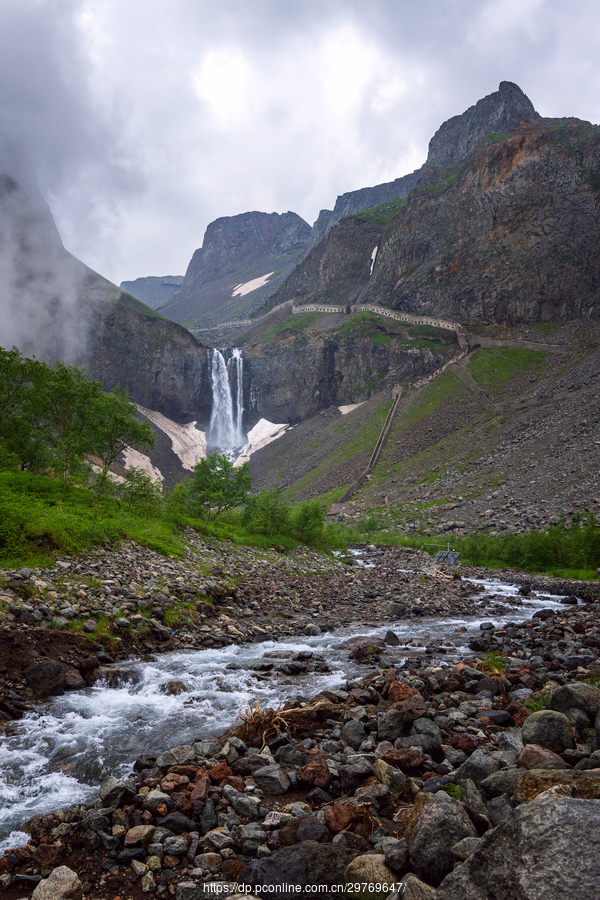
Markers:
point(58, 755)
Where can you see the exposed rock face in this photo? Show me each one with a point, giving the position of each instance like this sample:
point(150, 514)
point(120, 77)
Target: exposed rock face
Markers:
point(57, 308)
point(234, 241)
point(354, 202)
point(498, 113)
point(153, 291)
point(548, 847)
point(508, 237)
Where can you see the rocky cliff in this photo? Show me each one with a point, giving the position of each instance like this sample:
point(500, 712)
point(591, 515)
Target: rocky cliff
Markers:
point(55, 307)
point(480, 125)
point(509, 235)
point(232, 242)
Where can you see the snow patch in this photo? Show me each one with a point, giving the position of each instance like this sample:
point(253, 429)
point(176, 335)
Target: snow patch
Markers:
point(242, 289)
point(188, 443)
point(135, 459)
point(373, 258)
point(347, 409)
point(262, 434)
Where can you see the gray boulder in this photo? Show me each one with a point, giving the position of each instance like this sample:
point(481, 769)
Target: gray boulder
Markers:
point(477, 767)
point(550, 729)
point(390, 725)
point(441, 824)
point(302, 864)
point(353, 734)
point(272, 779)
point(46, 678)
point(584, 697)
point(63, 884)
point(546, 848)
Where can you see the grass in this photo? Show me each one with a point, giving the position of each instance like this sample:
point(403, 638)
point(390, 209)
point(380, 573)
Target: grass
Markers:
point(295, 323)
point(538, 701)
point(33, 530)
point(382, 214)
point(495, 136)
point(492, 368)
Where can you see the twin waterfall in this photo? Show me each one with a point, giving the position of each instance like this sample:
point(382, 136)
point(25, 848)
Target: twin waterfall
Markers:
point(226, 432)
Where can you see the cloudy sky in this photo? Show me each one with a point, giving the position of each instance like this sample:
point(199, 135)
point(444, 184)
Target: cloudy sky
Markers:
point(147, 119)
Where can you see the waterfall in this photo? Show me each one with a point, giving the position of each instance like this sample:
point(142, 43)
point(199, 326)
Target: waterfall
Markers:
point(225, 432)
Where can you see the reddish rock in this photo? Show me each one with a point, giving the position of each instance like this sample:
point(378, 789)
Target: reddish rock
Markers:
point(139, 836)
point(340, 817)
point(173, 782)
point(219, 773)
point(201, 773)
point(190, 771)
point(316, 773)
point(399, 692)
point(533, 755)
point(463, 742)
point(413, 708)
point(231, 868)
point(184, 806)
point(201, 790)
point(236, 782)
point(520, 716)
point(169, 862)
point(287, 834)
point(46, 854)
point(404, 760)
point(535, 781)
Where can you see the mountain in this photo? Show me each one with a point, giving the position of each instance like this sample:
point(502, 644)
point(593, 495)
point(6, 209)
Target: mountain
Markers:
point(508, 234)
point(242, 261)
point(55, 307)
point(154, 291)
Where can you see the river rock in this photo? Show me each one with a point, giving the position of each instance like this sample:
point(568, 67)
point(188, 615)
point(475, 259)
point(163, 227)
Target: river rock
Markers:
point(535, 781)
point(477, 767)
point(502, 782)
point(533, 755)
point(139, 836)
point(369, 869)
point(441, 824)
point(547, 848)
point(581, 696)
point(46, 678)
point(315, 772)
point(310, 829)
point(353, 734)
point(112, 791)
point(550, 729)
point(173, 688)
point(353, 775)
point(414, 889)
point(298, 865)
point(391, 725)
point(393, 778)
point(62, 884)
point(272, 779)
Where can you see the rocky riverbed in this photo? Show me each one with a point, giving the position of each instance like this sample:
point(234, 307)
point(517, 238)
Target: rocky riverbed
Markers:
point(427, 766)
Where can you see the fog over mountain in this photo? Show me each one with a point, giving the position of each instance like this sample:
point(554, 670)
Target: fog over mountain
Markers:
point(145, 123)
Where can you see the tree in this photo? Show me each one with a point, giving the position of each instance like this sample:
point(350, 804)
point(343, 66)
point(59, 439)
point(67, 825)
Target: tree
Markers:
point(117, 427)
point(267, 513)
point(218, 485)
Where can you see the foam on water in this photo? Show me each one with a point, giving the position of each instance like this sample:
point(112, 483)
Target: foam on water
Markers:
point(58, 755)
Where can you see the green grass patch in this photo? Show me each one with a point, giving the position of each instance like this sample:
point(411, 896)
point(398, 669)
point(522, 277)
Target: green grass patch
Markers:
point(493, 367)
point(382, 214)
point(495, 137)
point(547, 329)
point(295, 323)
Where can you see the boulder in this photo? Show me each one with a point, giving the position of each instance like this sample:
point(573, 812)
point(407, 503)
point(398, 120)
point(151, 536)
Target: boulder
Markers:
point(414, 889)
point(63, 884)
point(502, 782)
point(548, 848)
point(441, 824)
point(549, 729)
point(46, 678)
point(533, 755)
point(584, 697)
point(535, 781)
point(393, 778)
point(353, 775)
point(369, 869)
point(477, 767)
point(302, 864)
point(173, 688)
point(391, 725)
point(272, 779)
point(353, 734)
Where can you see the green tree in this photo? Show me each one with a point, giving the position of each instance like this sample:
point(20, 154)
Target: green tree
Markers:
point(267, 513)
point(218, 485)
point(308, 522)
point(117, 427)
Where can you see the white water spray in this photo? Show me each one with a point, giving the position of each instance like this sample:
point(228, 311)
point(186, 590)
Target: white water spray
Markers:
point(225, 432)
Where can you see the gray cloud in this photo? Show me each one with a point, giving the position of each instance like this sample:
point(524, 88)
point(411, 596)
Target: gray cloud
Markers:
point(146, 120)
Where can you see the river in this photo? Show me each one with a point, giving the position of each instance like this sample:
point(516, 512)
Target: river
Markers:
point(58, 755)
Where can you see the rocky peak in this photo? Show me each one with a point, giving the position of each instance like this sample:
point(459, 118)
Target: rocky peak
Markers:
point(496, 114)
point(232, 242)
